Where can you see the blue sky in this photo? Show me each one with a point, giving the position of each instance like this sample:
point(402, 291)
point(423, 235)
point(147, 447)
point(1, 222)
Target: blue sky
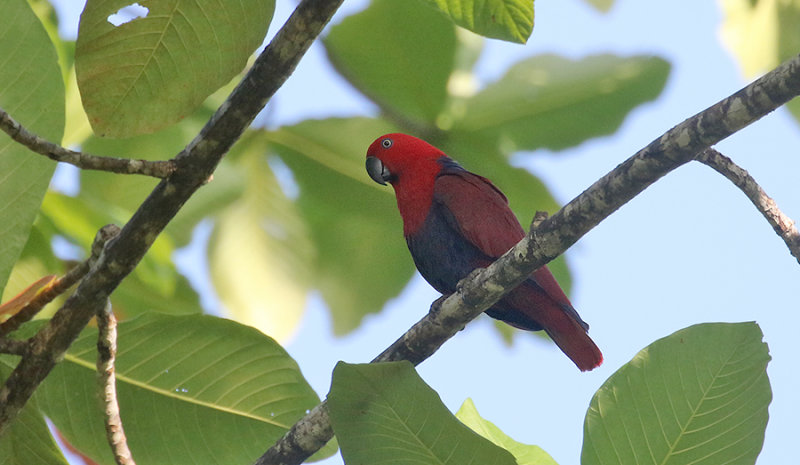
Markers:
point(690, 249)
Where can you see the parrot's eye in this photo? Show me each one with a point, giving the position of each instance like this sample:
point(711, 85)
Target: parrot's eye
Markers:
point(386, 143)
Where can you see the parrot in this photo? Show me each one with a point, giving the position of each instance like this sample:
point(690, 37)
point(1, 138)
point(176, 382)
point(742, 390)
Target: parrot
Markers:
point(455, 221)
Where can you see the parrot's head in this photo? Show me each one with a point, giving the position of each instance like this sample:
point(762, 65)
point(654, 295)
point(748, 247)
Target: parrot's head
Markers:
point(402, 159)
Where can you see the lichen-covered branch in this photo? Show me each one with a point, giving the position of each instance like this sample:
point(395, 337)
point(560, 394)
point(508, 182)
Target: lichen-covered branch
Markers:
point(157, 169)
point(782, 224)
point(107, 385)
point(13, 347)
point(194, 165)
point(554, 235)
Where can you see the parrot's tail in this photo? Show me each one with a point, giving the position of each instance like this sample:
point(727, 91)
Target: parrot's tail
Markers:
point(572, 339)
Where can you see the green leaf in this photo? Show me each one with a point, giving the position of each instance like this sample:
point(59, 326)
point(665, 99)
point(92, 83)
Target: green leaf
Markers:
point(28, 440)
point(260, 254)
point(601, 5)
point(698, 396)
point(397, 54)
point(524, 454)
point(762, 35)
point(552, 102)
point(150, 72)
point(385, 413)
point(361, 257)
point(32, 92)
point(510, 20)
point(241, 390)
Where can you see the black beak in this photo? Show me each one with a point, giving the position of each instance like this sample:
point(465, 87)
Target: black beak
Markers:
point(377, 171)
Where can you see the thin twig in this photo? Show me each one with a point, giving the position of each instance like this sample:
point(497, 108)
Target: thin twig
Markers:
point(107, 385)
point(156, 169)
point(59, 285)
point(552, 236)
point(782, 224)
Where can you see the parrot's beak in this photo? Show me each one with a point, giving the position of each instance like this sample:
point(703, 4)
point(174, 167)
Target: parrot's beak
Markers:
point(377, 171)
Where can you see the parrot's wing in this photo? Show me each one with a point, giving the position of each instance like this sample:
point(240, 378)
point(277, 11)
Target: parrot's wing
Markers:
point(481, 213)
point(478, 210)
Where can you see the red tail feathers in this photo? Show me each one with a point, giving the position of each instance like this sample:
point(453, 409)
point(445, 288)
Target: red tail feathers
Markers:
point(572, 339)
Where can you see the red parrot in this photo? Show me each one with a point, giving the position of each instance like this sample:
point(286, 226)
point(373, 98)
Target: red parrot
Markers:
point(455, 221)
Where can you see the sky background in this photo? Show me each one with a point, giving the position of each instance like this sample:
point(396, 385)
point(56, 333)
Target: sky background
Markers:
point(690, 249)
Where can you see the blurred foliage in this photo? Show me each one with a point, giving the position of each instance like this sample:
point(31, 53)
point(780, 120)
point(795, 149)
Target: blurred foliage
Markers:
point(761, 34)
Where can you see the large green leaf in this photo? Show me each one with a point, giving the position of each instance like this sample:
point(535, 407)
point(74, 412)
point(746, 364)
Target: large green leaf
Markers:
point(260, 254)
point(32, 92)
point(28, 440)
point(510, 20)
point(524, 454)
point(240, 389)
point(697, 396)
point(552, 102)
point(152, 71)
point(385, 413)
point(361, 256)
point(762, 34)
point(398, 54)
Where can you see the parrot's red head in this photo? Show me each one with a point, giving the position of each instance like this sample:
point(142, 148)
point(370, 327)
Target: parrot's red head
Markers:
point(410, 165)
point(397, 158)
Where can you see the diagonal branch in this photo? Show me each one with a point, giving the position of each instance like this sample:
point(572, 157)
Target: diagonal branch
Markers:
point(782, 224)
point(157, 169)
point(556, 234)
point(194, 165)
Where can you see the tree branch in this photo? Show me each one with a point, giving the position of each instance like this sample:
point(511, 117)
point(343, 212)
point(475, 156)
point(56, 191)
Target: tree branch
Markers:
point(107, 385)
point(13, 347)
point(556, 234)
point(53, 290)
point(194, 165)
point(157, 169)
point(782, 224)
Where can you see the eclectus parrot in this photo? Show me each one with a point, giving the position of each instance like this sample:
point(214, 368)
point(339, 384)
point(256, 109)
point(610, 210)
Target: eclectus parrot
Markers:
point(455, 221)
